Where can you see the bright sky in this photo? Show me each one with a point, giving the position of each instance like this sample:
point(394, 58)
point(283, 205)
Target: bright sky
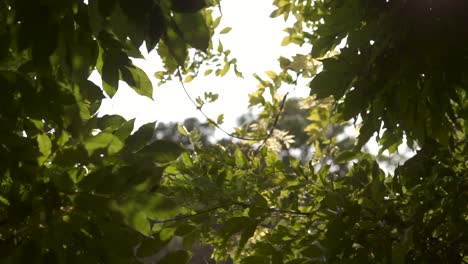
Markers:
point(254, 40)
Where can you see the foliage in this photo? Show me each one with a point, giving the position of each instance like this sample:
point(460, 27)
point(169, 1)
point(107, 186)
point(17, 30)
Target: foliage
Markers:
point(77, 188)
point(66, 176)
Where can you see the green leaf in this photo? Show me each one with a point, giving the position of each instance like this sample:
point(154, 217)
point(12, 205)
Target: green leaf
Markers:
point(150, 247)
point(110, 77)
point(194, 29)
point(138, 80)
point(103, 140)
point(163, 151)
point(313, 251)
point(176, 257)
point(271, 74)
point(199, 101)
point(140, 138)
point(220, 48)
point(259, 207)
point(400, 250)
point(286, 40)
point(4, 201)
point(347, 155)
point(225, 69)
point(110, 122)
point(284, 62)
point(322, 46)
point(144, 208)
point(391, 140)
point(220, 119)
point(156, 27)
point(161, 207)
point(124, 131)
point(175, 45)
point(247, 233)
point(106, 7)
point(255, 260)
point(137, 14)
point(326, 84)
point(186, 160)
point(239, 158)
point(225, 30)
point(233, 226)
point(367, 130)
point(184, 229)
point(167, 233)
point(63, 182)
point(44, 145)
point(264, 248)
point(187, 6)
point(188, 78)
point(211, 97)
point(183, 130)
point(91, 91)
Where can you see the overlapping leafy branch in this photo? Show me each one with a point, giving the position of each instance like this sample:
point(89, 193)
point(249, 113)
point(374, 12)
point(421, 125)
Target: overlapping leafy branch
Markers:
point(65, 174)
point(76, 188)
point(388, 71)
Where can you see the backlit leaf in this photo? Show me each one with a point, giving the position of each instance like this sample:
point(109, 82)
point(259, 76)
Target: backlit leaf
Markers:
point(220, 119)
point(138, 80)
point(194, 29)
point(225, 30)
point(103, 140)
point(240, 159)
point(45, 145)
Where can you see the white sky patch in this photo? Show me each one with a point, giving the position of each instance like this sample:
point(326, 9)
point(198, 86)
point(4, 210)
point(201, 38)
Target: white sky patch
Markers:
point(255, 41)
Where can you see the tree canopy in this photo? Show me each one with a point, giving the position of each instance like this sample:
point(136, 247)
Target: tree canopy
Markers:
point(79, 188)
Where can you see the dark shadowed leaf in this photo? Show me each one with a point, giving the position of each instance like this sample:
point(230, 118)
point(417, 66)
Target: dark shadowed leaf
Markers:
point(111, 122)
point(163, 151)
point(255, 260)
point(247, 233)
point(103, 140)
point(347, 155)
point(138, 80)
point(141, 137)
point(110, 77)
point(156, 27)
point(187, 6)
point(194, 29)
point(175, 46)
point(177, 257)
point(150, 247)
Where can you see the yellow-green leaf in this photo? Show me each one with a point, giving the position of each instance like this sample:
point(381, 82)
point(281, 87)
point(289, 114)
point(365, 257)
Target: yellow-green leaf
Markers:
point(182, 130)
point(225, 30)
point(44, 145)
point(104, 140)
point(189, 78)
point(240, 159)
point(220, 119)
point(271, 74)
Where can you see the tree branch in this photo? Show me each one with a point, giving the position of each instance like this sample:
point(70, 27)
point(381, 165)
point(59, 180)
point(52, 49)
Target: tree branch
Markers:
point(264, 139)
point(183, 217)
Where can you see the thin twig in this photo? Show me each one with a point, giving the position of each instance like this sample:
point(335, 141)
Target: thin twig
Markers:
point(263, 139)
point(299, 213)
point(275, 122)
point(183, 217)
point(209, 119)
point(245, 205)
